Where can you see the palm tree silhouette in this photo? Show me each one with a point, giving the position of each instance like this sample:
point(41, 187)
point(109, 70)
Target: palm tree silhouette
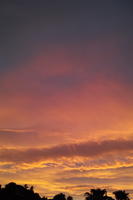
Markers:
point(96, 194)
point(121, 195)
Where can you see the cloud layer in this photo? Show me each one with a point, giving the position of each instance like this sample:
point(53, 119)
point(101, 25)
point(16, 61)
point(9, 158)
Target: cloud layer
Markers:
point(86, 149)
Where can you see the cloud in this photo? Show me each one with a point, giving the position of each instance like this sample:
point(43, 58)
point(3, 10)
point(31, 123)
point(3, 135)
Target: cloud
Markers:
point(87, 149)
point(16, 137)
point(91, 180)
point(17, 131)
point(35, 137)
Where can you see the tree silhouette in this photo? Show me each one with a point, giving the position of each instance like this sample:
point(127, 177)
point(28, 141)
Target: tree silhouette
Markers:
point(13, 191)
point(44, 198)
point(59, 196)
point(69, 198)
point(26, 186)
point(96, 194)
point(121, 195)
point(32, 188)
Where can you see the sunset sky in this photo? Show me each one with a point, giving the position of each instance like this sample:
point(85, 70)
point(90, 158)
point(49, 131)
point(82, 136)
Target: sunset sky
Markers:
point(66, 95)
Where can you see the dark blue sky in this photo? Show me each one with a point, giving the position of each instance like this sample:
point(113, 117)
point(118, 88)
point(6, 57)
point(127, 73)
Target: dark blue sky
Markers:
point(30, 26)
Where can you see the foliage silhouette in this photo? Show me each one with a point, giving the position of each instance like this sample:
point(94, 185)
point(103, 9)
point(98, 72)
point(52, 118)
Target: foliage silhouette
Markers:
point(60, 196)
point(121, 195)
point(13, 191)
point(69, 198)
point(96, 194)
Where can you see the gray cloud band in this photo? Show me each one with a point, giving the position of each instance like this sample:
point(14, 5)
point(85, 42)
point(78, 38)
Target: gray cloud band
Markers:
point(86, 149)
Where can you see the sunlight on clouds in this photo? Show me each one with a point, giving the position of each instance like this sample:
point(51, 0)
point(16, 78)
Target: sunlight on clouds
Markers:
point(66, 125)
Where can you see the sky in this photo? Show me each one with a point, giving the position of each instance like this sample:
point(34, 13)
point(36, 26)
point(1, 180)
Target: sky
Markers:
point(66, 95)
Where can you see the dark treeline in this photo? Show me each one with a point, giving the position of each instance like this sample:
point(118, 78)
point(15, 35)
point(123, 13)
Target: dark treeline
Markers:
point(13, 191)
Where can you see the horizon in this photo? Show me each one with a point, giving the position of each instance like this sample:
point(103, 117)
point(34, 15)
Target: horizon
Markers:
point(26, 191)
point(66, 95)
